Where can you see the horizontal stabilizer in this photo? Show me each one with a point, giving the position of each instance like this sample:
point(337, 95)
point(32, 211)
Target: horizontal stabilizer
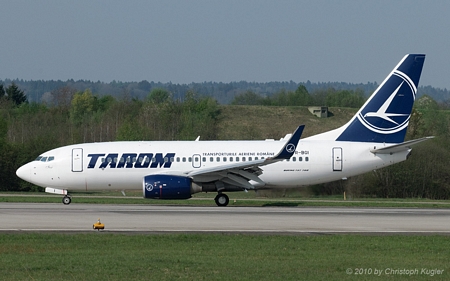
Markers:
point(399, 147)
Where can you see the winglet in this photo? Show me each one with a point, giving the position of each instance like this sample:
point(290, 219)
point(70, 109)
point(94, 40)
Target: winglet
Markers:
point(289, 148)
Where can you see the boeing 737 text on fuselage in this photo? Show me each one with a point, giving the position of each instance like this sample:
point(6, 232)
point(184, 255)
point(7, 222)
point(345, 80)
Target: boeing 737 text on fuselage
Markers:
point(374, 138)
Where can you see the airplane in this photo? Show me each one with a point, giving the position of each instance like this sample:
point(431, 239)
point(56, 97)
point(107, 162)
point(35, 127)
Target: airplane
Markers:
point(373, 138)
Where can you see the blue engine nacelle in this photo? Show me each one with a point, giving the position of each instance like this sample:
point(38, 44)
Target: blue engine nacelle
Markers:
point(167, 187)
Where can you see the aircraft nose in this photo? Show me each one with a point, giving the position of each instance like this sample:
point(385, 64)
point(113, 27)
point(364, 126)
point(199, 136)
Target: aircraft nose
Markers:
point(24, 172)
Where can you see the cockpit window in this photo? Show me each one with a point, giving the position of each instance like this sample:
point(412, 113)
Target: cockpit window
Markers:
point(45, 158)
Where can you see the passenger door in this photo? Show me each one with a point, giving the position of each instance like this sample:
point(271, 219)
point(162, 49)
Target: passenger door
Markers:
point(337, 159)
point(77, 160)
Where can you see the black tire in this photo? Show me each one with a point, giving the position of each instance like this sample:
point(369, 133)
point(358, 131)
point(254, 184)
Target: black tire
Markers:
point(222, 200)
point(66, 200)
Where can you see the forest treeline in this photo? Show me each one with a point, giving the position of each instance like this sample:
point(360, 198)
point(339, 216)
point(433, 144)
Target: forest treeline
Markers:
point(28, 128)
point(301, 97)
point(40, 91)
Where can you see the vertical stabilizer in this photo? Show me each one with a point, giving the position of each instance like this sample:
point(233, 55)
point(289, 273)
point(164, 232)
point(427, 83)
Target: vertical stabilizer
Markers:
point(385, 116)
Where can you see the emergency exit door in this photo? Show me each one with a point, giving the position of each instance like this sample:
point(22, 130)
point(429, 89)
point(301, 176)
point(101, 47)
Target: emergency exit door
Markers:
point(337, 159)
point(196, 161)
point(77, 160)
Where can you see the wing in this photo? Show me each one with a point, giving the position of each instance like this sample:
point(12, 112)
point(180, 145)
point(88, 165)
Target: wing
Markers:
point(240, 173)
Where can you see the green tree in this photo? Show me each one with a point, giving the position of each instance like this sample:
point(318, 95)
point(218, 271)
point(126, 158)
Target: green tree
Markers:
point(345, 98)
point(128, 131)
point(416, 122)
point(82, 105)
point(8, 157)
point(158, 96)
point(102, 104)
point(248, 98)
point(279, 99)
point(16, 95)
point(319, 97)
point(300, 97)
point(426, 102)
point(3, 132)
point(198, 117)
point(63, 96)
point(2, 91)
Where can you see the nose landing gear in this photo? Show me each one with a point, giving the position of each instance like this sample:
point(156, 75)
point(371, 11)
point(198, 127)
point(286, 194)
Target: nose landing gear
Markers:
point(66, 200)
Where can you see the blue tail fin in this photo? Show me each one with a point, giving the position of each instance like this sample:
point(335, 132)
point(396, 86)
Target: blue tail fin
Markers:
point(385, 115)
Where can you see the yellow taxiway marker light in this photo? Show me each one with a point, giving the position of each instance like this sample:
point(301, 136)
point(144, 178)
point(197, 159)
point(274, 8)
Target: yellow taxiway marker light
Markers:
point(98, 225)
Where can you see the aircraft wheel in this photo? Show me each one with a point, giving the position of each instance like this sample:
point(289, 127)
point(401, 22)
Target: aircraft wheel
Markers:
point(66, 200)
point(222, 200)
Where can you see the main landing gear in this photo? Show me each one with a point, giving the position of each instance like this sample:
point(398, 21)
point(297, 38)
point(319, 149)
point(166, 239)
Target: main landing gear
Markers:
point(222, 200)
point(66, 200)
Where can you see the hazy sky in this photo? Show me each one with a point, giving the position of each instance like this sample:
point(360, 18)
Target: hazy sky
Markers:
point(222, 41)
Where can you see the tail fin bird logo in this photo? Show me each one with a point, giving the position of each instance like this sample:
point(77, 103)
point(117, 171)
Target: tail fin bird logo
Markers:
point(290, 148)
point(386, 121)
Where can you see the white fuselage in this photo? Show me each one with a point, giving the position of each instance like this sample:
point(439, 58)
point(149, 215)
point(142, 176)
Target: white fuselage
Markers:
point(87, 167)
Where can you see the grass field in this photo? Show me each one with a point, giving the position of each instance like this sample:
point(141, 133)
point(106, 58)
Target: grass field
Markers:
point(291, 199)
point(260, 122)
point(102, 256)
point(106, 256)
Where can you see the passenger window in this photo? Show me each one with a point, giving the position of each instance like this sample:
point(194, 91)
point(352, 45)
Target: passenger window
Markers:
point(211, 159)
point(306, 158)
point(224, 159)
point(190, 159)
point(134, 159)
point(122, 160)
point(204, 159)
point(166, 159)
point(153, 159)
point(184, 159)
point(140, 159)
point(178, 159)
point(243, 159)
point(218, 159)
point(172, 159)
point(249, 159)
point(147, 159)
point(294, 159)
point(237, 159)
point(231, 159)
point(256, 158)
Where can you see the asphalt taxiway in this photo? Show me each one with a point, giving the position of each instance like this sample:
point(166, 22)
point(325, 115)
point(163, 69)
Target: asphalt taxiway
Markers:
point(22, 217)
